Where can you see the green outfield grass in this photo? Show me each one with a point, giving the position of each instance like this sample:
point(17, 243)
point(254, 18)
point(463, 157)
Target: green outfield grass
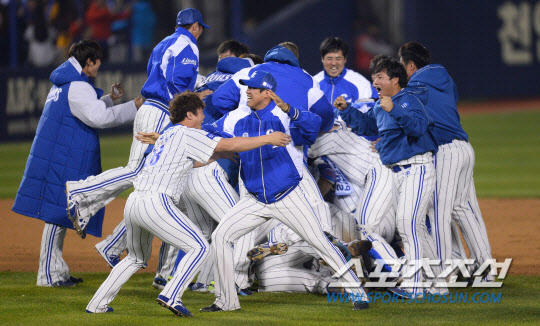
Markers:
point(506, 144)
point(25, 304)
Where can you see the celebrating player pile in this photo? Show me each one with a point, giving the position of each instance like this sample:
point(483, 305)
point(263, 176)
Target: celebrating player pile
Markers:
point(329, 168)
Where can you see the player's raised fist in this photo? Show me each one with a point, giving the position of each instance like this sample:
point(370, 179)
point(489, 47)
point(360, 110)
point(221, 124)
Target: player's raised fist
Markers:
point(277, 138)
point(340, 103)
point(117, 91)
point(386, 103)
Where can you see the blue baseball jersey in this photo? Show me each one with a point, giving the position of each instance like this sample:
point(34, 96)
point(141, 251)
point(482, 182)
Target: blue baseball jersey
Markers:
point(405, 131)
point(270, 172)
point(441, 103)
point(172, 68)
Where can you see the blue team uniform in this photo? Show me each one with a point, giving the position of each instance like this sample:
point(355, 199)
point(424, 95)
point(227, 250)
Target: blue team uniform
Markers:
point(295, 86)
point(405, 131)
point(441, 102)
point(270, 172)
point(172, 68)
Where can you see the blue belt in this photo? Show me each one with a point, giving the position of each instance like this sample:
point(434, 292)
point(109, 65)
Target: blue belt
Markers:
point(397, 168)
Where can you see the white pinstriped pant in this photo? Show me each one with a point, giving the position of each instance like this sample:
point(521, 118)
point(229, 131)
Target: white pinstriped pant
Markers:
point(295, 212)
point(148, 215)
point(455, 199)
point(52, 267)
point(95, 192)
point(413, 191)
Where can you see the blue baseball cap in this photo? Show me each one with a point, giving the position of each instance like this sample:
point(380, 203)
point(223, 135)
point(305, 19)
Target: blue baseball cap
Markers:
point(190, 16)
point(260, 79)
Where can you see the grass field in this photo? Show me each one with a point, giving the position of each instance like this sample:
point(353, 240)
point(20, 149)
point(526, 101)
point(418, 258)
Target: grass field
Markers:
point(24, 303)
point(506, 146)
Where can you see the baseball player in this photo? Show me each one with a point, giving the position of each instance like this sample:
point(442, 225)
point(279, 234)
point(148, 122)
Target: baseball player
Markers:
point(454, 196)
point(152, 208)
point(172, 69)
point(272, 178)
point(337, 81)
point(406, 148)
point(66, 147)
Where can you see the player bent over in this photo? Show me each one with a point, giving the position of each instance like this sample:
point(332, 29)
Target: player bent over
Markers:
point(272, 178)
point(152, 208)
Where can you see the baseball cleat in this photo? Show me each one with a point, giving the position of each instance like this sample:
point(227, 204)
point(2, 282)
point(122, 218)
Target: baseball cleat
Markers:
point(73, 212)
point(63, 284)
point(211, 308)
point(109, 309)
point(177, 308)
point(360, 305)
point(266, 249)
point(75, 280)
point(111, 260)
point(335, 241)
point(199, 287)
point(335, 290)
point(159, 282)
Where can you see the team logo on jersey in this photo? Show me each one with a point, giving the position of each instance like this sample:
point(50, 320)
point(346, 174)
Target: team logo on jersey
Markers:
point(210, 135)
point(187, 61)
point(54, 94)
point(404, 105)
point(269, 131)
point(245, 134)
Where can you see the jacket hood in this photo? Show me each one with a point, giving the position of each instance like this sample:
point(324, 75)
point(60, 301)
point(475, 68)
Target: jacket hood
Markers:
point(232, 65)
point(68, 72)
point(435, 76)
point(282, 55)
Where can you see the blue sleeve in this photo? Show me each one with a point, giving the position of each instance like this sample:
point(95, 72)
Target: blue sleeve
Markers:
point(325, 111)
point(361, 123)
point(181, 71)
point(217, 128)
point(412, 118)
point(225, 98)
point(304, 127)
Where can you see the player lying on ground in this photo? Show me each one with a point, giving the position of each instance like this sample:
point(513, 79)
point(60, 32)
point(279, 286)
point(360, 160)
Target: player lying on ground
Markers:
point(151, 210)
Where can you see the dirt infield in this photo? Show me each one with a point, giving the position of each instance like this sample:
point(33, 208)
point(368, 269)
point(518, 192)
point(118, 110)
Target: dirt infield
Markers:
point(511, 223)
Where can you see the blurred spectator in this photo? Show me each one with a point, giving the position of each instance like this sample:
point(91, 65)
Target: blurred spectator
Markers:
point(63, 16)
point(255, 58)
point(143, 23)
point(368, 44)
point(4, 33)
point(42, 51)
point(99, 18)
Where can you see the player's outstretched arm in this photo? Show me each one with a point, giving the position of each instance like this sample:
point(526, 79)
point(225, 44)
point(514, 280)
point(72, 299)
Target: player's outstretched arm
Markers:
point(242, 144)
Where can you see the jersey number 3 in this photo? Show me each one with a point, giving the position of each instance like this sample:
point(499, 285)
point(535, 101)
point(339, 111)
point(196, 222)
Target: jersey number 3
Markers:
point(155, 155)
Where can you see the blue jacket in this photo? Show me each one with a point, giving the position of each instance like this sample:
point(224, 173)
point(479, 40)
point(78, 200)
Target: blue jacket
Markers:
point(294, 86)
point(441, 104)
point(352, 86)
point(172, 68)
point(64, 149)
point(270, 172)
point(405, 131)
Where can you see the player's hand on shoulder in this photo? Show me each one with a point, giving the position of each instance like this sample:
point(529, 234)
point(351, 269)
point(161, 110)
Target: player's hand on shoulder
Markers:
point(374, 144)
point(139, 101)
point(386, 103)
point(203, 94)
point(340, 103)
point(277, 138)
point(147, 137)
point(285, 107)
point(117, 91)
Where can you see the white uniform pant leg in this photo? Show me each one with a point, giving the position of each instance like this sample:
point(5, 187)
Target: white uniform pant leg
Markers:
point(413, 190)
point(298, 214)
point(284, 273)
point(316, 199)
point(115, 243)
point(52, 267)
point(343, 224)
point(206, 224)
point(374, 206)
point(139, 242)
point(468, 215)
point(96, 192)
point(458, 251)
point(176, 229)
point(244, 217)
